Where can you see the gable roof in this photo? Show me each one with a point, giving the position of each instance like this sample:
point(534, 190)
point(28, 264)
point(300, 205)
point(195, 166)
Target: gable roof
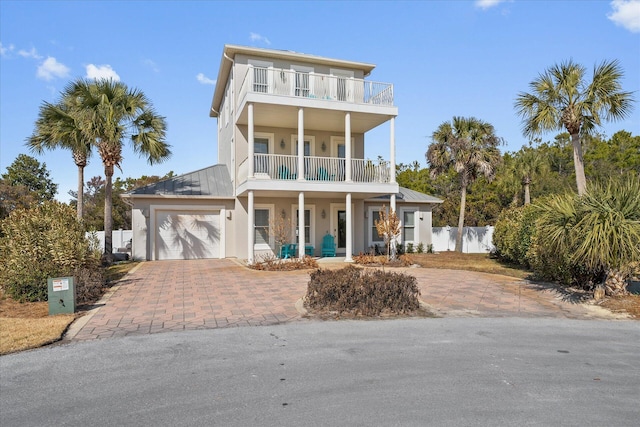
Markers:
point(213, 181)
point(406, 195)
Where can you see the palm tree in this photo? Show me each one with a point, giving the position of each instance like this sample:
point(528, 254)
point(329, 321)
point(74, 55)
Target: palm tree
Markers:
point(56, 127)
point(561, 99)
point(529, 164)
point(469, 146)
point(109, 112)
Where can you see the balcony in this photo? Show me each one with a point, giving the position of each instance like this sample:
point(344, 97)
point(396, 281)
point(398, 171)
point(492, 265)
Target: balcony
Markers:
point(324, 87)
point(324, 169)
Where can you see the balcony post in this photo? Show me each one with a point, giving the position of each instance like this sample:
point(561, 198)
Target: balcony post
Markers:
point(347, 146)
point(349, 240)
point(301, 242)
point(251, 140)
point(301, 172)
point(392, 144)
point(250, 229)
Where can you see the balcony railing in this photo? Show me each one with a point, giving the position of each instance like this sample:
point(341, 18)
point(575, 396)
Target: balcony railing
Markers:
point(315, 86)
point(331, 169)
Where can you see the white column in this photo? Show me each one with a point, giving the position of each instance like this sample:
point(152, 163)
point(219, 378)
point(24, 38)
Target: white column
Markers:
point(301, 225)
point(392, 144)
point(392, 203)
point(251, 236)
point(301, 172)
point(349, 219)
point(347, 146)
point(251, 141)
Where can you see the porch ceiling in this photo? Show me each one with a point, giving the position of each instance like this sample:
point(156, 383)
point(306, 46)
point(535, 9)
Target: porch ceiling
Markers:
point(324, 119)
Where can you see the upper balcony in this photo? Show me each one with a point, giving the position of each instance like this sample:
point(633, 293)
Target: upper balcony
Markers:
point(277, 93)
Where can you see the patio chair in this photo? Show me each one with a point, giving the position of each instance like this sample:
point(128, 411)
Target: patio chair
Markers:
point(287, 251)
point(323, 175)
point(283, 173)
point(328, 246)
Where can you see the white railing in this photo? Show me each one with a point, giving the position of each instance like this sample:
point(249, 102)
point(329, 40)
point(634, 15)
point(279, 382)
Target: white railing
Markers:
point(315, 86)
point(285, 167)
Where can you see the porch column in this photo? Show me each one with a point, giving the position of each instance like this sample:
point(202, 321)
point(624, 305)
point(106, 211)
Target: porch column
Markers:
point(301, 242)
point(251, 236)
point(392, 144)
point(392, 202)
point(347, 146)
point(349, 242)
point(251, 141)
point(301, 172)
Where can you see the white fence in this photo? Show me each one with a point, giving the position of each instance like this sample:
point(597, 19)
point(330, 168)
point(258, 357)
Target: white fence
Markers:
point(119, 238)
point(474, 239)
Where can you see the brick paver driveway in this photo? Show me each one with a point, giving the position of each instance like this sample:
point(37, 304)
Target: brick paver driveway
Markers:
point(203, 294)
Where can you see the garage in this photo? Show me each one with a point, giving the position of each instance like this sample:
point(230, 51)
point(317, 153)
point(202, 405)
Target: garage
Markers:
point(187, 234)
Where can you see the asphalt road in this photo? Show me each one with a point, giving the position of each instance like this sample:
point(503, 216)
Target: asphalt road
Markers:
point(444, 372)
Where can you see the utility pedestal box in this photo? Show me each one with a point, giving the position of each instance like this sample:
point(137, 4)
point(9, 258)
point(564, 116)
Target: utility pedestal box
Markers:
point(62, 295)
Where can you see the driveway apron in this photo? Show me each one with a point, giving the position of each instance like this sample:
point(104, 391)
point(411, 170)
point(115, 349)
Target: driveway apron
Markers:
point(162, 296)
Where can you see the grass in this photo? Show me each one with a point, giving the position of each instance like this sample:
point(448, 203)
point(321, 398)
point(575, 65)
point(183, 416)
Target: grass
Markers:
point(24, 326)
point(483, 263)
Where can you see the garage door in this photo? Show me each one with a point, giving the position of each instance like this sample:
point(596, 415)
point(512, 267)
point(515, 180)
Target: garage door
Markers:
point(187, 235)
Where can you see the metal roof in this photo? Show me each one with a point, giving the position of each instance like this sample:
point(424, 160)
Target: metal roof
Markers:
point(409, 196)
point(213, 181)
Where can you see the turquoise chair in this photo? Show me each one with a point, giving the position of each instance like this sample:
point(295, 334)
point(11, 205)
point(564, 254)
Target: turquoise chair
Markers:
point(287, 251)
point(328, 246)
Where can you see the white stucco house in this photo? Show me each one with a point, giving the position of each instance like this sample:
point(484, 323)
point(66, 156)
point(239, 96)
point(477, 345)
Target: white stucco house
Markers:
point(291, 144)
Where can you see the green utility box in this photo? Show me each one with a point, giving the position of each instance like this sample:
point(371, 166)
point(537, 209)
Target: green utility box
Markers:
point(62, 295)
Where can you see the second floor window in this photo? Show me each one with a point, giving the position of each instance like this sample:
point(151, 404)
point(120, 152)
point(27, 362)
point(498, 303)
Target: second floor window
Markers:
point(261, 146)
point(260, 79)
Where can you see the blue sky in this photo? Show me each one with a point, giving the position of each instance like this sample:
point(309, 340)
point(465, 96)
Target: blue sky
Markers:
point(445, 59)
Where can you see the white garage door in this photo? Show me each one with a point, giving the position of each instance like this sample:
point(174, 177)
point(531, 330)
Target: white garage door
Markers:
point(187, 235)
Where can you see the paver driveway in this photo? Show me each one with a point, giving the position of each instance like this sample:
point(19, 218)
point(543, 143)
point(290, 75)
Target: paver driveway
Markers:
point(203, 294)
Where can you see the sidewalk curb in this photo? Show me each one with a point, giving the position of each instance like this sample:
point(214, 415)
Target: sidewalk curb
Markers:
point(81, 322)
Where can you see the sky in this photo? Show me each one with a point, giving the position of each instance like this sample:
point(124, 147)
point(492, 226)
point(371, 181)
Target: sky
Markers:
point(444, 58)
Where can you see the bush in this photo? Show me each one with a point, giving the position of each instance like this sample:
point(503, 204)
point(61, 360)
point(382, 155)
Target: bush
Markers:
point(410, 249)
point(352, 290)
point(513, 233)
point(270, 262)
point(420, 248)
point(42, 242)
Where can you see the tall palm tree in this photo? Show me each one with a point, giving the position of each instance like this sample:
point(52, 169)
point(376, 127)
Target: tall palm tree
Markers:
point(56, 127)
point(561, 99)
point(109, 113)
point(469, 146)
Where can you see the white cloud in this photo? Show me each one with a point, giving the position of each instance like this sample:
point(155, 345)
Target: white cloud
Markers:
point(205, 80)
point(97, 72)
point(486, 4)
point(255, 37)
point(5, 50)
point(32, 53)
point(51, 68)
point(626, 13)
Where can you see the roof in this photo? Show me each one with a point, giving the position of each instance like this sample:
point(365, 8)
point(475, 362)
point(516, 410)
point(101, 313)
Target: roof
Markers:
point(213, 181)
point(409, 196)
point(230, 51)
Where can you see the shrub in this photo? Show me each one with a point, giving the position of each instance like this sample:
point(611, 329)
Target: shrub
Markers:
point(38, 243)
point(352, 290)
point(420, 248)
point(272, 263)
point(410, 249)
point(513, 233)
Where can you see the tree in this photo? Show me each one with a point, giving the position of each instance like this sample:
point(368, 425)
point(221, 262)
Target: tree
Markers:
point(109, 113)
point(560, 99)
point(27, 171)
point(527, 166)
point(469, 147)
point(388, 226)
point(57, 127)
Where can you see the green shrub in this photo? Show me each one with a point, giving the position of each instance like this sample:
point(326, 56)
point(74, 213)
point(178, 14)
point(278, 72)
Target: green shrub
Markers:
point(420, 248)
point(38, 243)
point(352, 290)
point(410, 249)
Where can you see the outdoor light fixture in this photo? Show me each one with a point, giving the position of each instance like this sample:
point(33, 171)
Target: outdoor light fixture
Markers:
point(323, 146)
point(323, 214)
point(282, 143)
point(283, 213)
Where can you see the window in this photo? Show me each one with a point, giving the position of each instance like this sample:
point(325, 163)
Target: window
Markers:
point(408, 226)
point(302, 84)
point(375, 237)
point(261, 146)
point(307, 226)
point(260, 79)
point(261, 226)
